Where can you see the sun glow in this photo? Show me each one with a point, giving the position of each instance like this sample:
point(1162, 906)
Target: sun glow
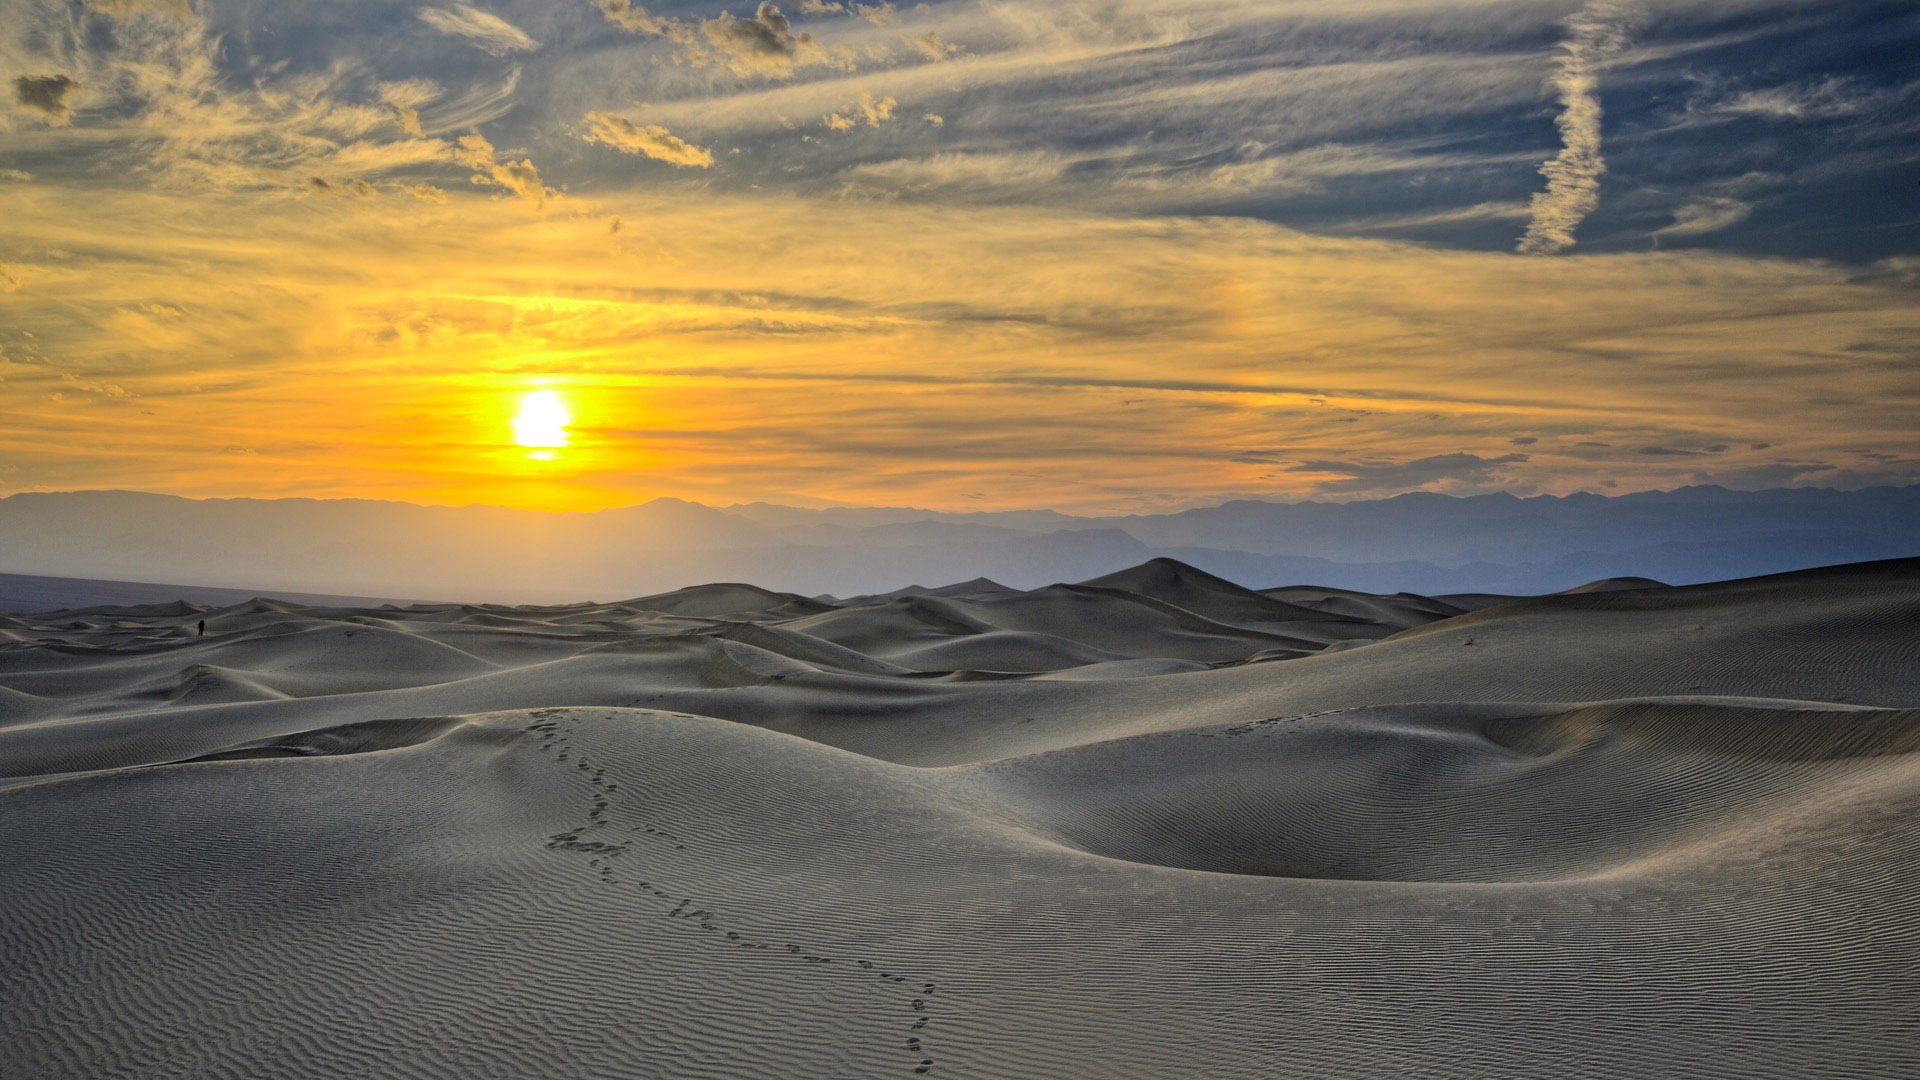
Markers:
point(541, 424)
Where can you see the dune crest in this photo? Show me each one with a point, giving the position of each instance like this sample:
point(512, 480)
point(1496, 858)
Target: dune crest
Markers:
point(1150, 825)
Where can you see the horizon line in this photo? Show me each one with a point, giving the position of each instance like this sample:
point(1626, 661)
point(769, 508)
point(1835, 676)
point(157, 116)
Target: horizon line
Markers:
point(962, 513)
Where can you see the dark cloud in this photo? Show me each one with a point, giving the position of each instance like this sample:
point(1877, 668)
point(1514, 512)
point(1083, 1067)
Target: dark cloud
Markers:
point(1408, 475)
point(768, 31)
point(49, 95)
point(356, 187)
point(762, 45)
point(1524, 440)
point(1676, 451)
point(1779, 474)
point(1875, 455)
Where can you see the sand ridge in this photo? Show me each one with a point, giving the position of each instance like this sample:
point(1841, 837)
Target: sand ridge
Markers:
point(1152, 825)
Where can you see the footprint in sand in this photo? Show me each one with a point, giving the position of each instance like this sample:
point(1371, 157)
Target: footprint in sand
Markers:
point(554, 734)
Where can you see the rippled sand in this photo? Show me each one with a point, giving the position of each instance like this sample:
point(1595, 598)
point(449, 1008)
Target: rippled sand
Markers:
point(1151, 826)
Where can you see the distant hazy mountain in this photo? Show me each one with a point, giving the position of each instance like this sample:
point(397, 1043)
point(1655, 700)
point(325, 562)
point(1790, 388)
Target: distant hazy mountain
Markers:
point(1418, 543)
point(22, 593)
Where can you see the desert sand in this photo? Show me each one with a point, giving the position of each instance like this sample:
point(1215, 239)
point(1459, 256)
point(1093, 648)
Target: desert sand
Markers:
point(1153, 825)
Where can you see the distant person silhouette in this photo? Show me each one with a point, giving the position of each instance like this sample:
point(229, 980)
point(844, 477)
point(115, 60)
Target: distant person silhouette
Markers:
point(203, 628)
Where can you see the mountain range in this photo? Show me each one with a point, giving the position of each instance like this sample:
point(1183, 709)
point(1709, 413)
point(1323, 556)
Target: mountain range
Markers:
point(1422, 542)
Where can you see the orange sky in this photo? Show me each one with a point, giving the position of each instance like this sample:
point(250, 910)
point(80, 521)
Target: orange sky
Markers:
point(213, 321)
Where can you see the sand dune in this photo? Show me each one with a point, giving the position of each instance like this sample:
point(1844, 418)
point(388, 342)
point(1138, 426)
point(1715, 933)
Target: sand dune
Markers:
point(1150, 825)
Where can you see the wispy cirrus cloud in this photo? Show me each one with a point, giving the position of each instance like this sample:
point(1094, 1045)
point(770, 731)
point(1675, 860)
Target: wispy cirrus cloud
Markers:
point(1140, 237)
point(792, 359)
point(1811, 99)
point(484, 30)
point(1706, 215)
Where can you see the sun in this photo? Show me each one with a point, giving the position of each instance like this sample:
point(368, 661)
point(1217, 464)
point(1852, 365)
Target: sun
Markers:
point(541, 423)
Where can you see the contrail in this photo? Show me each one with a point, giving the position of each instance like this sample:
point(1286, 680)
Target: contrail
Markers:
point(1598, 33)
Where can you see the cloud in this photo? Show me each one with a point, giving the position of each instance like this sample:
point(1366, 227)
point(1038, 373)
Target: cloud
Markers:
point(487, 32)
point(126, 9)
point(874, 111)
point(17, 175)
point(1109, 201)
point(1451, 469)
point(172, 105)
point(1806, 100)
point(1573, 175)
point(99, 389)
point(1706, 215)
point(637, 19)
point(650, 140)
point(49, 95)
point(1677, 451)
point(406, 98)
point(881, 14)
point(961, 175)
point(356, 187)
point(472, 105)
point(1761, 477)
point(519, 177)
point(1438, 218)
point(764, 44)
point(1015, 332)
point(930, 45)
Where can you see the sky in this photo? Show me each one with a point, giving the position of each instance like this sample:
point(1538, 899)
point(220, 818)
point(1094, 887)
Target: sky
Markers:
point(1099, 257)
